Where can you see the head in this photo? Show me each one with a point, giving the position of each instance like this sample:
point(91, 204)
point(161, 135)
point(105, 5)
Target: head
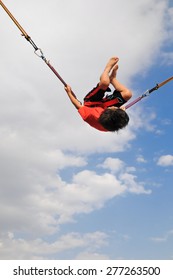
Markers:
point(114, 119)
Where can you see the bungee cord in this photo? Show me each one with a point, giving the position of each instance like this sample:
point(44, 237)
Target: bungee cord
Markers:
point(148, 92)
point(37, 50)
point(40, 54)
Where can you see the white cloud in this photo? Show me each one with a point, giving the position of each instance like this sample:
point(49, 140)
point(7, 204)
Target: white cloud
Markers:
point(52, 201)
point(91, 256)
point(141, 159)
point(164, 238)
point(132, 185)
point(113, 164)
point(123, 173)
point(20, 248)
point(166, 160)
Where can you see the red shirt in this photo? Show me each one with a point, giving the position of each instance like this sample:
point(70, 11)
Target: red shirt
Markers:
point(91, 116)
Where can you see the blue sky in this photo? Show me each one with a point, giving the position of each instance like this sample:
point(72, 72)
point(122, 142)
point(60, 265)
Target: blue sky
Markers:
point(68, 191)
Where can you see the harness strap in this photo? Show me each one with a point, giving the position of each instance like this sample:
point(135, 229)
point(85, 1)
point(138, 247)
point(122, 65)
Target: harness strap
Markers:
point(109, 103)
point(104, 103)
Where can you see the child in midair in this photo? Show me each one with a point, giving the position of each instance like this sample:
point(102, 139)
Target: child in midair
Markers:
point(105, 113)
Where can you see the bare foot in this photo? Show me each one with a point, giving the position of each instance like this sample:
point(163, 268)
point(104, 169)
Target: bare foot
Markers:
point(114, 73)
point(111, 63)
point(104, 78)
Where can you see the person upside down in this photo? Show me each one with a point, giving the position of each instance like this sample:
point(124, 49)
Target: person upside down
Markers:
point(105, 113)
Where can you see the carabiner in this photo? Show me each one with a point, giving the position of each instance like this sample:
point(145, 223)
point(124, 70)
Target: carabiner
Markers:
point(40, 54)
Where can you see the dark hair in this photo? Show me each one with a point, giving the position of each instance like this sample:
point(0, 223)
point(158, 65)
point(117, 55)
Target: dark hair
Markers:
point(113, 120)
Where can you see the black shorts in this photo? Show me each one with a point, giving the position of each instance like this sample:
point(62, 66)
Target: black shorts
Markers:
point(96, 95)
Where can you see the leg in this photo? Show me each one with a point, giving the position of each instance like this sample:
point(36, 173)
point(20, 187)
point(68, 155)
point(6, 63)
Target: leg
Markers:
point(125, 92)
point(104, 78)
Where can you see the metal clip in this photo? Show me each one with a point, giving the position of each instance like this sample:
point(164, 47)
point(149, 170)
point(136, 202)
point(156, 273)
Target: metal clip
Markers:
point(40, 54)
point(146, 93)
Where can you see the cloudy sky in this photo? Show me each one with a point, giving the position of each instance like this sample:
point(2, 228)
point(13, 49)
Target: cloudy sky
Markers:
point(68, 191)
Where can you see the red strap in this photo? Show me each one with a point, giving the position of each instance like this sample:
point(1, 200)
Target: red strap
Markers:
point(110, 103)
point(104, 103)
point(94, 104)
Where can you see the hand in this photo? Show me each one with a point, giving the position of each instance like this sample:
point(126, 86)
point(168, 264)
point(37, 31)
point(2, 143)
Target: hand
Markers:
point(68, 89)
point(73, 97)
point(123, 108)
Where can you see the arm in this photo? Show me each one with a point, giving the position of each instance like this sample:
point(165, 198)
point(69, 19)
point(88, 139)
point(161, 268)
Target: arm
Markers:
point(73, 98)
